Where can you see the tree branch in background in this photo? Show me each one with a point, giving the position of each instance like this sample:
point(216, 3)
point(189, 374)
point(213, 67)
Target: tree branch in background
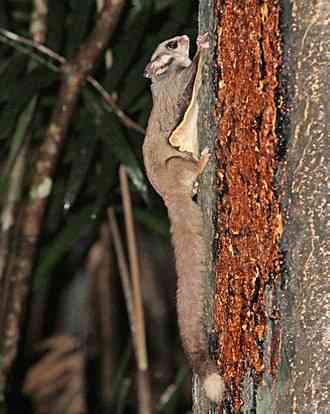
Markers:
point(26, 45)
point(116, 9)
point(56, 383)
point(75, 72)
point(17, 157)
point(101, 299)
point(39, 20)
point(17, 162)
point(144, 394)
point(122, 266)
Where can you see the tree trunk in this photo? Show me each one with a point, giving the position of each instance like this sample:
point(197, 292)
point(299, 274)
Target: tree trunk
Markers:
point(267, 126)
point(305, 336)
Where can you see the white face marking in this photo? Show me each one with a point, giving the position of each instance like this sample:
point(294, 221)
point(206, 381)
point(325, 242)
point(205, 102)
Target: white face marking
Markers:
point(175, 50)
point(161, 63)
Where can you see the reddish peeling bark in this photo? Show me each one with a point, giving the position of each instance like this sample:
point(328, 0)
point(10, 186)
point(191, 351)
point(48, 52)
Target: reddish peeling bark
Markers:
point(249, 216)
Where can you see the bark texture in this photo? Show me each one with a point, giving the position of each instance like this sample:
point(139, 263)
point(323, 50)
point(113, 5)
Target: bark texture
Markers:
point(306, 333)
point(207, 132)
point(288, 372)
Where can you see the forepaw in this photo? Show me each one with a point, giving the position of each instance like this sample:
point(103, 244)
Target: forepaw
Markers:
point(195, 189)
point(203, 41)
point(205, 156)
point(203, 160)
point(205, 153)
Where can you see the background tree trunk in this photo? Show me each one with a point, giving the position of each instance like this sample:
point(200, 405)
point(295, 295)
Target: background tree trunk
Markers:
point(294, 374)
point(305, 301)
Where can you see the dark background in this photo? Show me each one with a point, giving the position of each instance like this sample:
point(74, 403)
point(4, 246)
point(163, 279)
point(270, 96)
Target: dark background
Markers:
point(78, 303)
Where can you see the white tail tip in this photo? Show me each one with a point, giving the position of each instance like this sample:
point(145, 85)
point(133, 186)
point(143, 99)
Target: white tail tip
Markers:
point(214, 387)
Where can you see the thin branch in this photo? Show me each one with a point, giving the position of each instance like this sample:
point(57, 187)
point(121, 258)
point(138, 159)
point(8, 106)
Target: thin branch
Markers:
point(16, 164)
point(38, 25)
point(116, 8)
point(134, 268)
point(75, 72)
point(144, 393)
point(101, 305)
point(13, 39)
point(126, 120)
point(122, 265)
point(14, 173)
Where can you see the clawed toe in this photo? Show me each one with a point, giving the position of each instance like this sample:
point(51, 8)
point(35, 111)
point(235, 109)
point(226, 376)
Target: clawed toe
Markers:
point(195, 188)
point(203, 41)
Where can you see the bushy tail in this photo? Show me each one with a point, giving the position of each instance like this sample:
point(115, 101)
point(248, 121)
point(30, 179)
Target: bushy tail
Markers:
point(191, 253)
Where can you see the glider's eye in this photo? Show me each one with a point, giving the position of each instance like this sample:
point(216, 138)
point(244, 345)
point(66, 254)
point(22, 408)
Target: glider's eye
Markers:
point(172, 44)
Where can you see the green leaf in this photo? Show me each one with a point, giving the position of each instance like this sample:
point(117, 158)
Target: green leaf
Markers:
point(161, 5)
point(4, 184)
point(108, 173)
point(128, 43)
point(3, 20)
point(38, 79)
point(123, 395)
point(113, 136)
point(80, 16)
point(121, 370)
point(23, 124)
point(111, 133)
point(54, 212)
point(56, 24)
point(170, 405)
point(76, 226)
point(155, 222)
point(85, 145)
point(11, 70)
point(16, 145)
